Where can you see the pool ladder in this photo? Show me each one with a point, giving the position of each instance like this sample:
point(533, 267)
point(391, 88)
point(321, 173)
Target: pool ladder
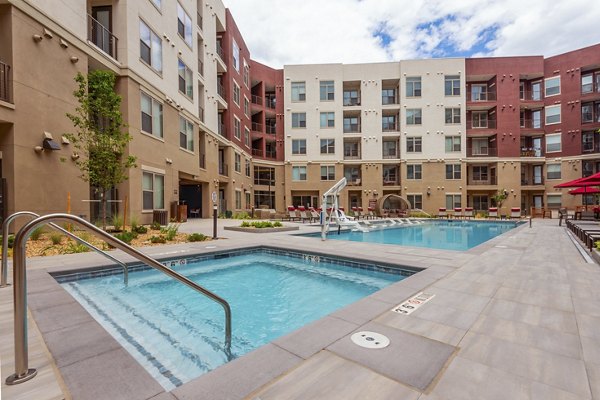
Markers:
point(22, 371)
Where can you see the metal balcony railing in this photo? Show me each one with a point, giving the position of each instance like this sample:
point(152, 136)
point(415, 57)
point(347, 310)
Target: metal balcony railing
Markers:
point(483, 181)
point(532, 180)
point(532, 152)
point(482, 151)
point(5, 82)
point(387, 100)
point(220, 51)
point(202, 161)
point(531, 123)
point(389, 128)
point(481, 124)
point(102, 37)
point(352, 128)
point(201, 113)
point(222, 130)
point(270, 102)
point(257, 152)
point(481, 96)
point(353, 181)
point(256, 127)
point(270, 154)
point(199, 20)
point(351, 154)
point(223, 169)
point(221, 90)
point(530, 95)
point(352, 101)
point(270, 129)
point(201, 67)
point(256, 100)
point(390, 155)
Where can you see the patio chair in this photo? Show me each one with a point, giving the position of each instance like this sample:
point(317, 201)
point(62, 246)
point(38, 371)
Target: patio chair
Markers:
point(361, 213)
point(468, 212)
point(355, 211)
point(515, 212)
point(293, 214)
point(563, 213)
point(587, 216)
point(316, 215)
point(493, 212)
point(304, 215)
point(371, 212)
point(442, 213)
point(458, 213)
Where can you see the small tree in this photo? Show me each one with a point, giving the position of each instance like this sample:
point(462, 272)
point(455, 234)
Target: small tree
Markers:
point(499, 197)
point(100, 138)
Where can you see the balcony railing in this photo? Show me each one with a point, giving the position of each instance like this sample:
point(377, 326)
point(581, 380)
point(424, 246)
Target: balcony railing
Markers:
point(202, 160)
point(387, 100)
point(391, 181)
point(270, 154)
point(486, 124)
point(102, 37)
point(482, 151)
point(481, 182)
point(223, 169)
point(221, 90)
point(532, 180)
point(352, 128)
point(270, 129)
point(257, 100)
point(222, 130)
point(591, 147)
point(390, 155)
point(531, 123)
point(201, 113)
point(353, 181)
point(4, 82)
point(256, 127)
point(351, 154)
point(532, 152)
point(201, 67)
point(270, 102)
point(529, 95)
point(481, 96)
point(389, 128)
point(220, 51)
point(257, 152)
point(352, 101)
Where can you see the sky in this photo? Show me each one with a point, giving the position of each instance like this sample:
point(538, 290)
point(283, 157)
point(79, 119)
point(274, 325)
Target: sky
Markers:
point(287, 32)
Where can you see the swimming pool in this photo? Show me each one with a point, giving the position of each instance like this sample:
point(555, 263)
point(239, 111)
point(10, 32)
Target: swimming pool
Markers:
point(435, 234)
point(177, 334)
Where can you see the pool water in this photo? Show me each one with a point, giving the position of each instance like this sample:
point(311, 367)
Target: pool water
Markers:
point(445, 235)
point(178, 334)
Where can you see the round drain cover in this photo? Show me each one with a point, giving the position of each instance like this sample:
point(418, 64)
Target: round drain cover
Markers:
point(370, 340)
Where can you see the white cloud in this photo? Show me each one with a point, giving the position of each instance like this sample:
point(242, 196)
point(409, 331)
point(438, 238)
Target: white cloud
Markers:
point(280, 32)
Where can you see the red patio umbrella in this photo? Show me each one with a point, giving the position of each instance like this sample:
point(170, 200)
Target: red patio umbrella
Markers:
point(584, 190)
point(582, 183)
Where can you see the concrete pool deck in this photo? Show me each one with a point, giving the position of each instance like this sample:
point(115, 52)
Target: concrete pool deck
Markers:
point(517, 317)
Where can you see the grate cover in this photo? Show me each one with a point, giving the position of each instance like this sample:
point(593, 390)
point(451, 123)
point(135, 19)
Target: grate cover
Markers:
point(370, 340)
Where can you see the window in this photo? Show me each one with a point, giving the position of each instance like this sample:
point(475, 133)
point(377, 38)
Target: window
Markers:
point(248, 200)
point(351, 125)
point(587, 83)
point(480, 146)
point(238, 162)
point(184, 25)
point(480, 173)
point(587, 113)
point(415, 200)
point(453, 115)
point(328, 173)
point(553, 143)
point(554, 201)
point(236, 93)
point(248, 169)
point(298, 173)
point(413, 144)
point(326, 91)
point(388, 96)
point(390, 175)
point(480, 202)
point(453, 201)
point(453, 144)
point(247, 136)
point(298, 146)
point(413, 87)
point(238, 199)
point(351, 97)
point(298, 120)
point(479, 119)
point(264, 198)
point(246, 107)
point(327, 120)
point(264, 176)
point(186, 134)
point(552, 86)
point(153, 191)
point(413, 116)
point(452, 85)
point(298, 91)
point(185, 80)
point(388, 123)
point(453, 171)
point(235, 53)
point(351, 150)
point(414, 171)
point(536, 91)
point(553, 115)
point(246, 74)
point(327, 146)
point(553, 171)
point(237, 128)
point(150, 47)
point(480, 92)
point(587, 142)
point(536, 119)
point(152, 119)
point(390, 149)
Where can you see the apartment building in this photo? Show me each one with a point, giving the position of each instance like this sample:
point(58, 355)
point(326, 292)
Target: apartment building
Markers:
point(205, 118)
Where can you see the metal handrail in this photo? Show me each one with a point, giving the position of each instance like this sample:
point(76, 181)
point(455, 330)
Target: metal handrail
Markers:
point(22, 371)
point(5, 228)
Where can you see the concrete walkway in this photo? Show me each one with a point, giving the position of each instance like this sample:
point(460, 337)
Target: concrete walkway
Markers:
point(515, 318)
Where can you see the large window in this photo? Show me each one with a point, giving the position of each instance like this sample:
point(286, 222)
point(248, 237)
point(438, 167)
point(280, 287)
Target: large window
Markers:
point(247, 169)
point(264, 176)
point(453, 201)
point(553, 171)
point(235, 53)
point(414, 144)
point(554, 201)
point(328, 173)
point(150, 47)
point(415, 200)
point(479, 119)
point(184, 25)
point(351, 125)
point(237, 162)
point(552, 86)
point(414, 171)
point(536, 119)
point(388, 123)
point(186, 134)
point(236, 94)
point(327, 146)
point(390, 175)
point(247, 136)
point(298, 120)
point(152, 119)
point(186, 80)
point(553, 115)
point(298, 91)
point(351, 97)
point(327, 120)
point(388, 96)
point(480, 173)
point(453, 115)
point(390, 149)
point(238, 199)
point(452, 85)
point(453, 171)
point(237, 128)
point(264, 198)
point(553, 143)
point(298, 173)
point(413, 116)
point(413, 86)
point(536, 91)
point(587, 83)
point(326, 91)
point(299, 146)
point(480, 202)
point(453, 144)
point(153, 191)
point(480, 146)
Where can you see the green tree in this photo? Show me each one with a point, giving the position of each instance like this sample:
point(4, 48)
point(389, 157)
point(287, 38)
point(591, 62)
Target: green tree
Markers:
point(101, 137)
point(500, 197)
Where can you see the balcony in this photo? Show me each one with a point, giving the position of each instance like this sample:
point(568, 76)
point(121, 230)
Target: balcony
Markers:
point(257, 152)
point(270, 102)
point(532, 152)
point(99, 35)
point(221, 90)
point(531, 123)
point(352, 153)
point(201, 67)
point(257, 127)
point(220, 51)
point(223, 169)
point(390, 154)
point(391, 181)
point(351, 128)
point(201, 113)
point(222, 130)
point(532, 180)
point(257, 100)
point(530, 95)
point(389, 100)
point(390, 127)
point(483, 181)
point(270, 154)
point(270, 129)
point(481, 124)
point(5, 82)
point(202, 161)
point(481, 96)
point(351, 101)
point(482, 151)
point(353, 181)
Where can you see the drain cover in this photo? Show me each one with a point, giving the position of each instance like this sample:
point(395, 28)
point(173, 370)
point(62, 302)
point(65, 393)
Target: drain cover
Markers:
point(370, 340)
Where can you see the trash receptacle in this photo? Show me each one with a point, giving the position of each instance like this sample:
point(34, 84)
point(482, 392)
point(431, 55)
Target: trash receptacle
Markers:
point(160, 216)
point(228, 214)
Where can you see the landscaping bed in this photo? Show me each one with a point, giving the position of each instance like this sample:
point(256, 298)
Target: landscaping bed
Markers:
point(261, 227)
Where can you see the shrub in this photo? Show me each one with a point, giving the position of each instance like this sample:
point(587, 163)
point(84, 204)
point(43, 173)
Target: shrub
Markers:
point(245, 224)
point(170, 231)
point(261, 224)
point(158, 239)
point(36, 233)
point(133, 221)
point(117, 222)
point(126, 237)
point(11, 241)
point(141, 229)
point(196, 237)
point(277, 224)
point(419, 214)
point(56, 238)
point(241, 215)
point(84, 236)
point(155, 226)
point(74, 247)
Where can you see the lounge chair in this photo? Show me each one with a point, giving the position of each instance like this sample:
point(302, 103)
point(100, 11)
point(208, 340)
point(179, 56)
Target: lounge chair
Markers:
point(371, 212)
point(316, 216)
point(304, 215)
point(515, 212)
point(442, 213)
point(293, 214)
point(361, 213)
point(468, 212)
point(587, 216)
point(493, 212)
point(458, 212)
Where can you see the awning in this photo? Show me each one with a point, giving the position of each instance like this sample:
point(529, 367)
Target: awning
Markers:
point(584, 190)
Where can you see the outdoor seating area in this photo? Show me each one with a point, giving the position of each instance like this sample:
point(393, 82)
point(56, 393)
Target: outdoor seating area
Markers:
point(586, 231)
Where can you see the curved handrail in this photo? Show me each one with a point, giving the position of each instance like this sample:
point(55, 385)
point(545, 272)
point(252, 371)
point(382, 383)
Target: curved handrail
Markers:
point(5, 228)
point(22, 371)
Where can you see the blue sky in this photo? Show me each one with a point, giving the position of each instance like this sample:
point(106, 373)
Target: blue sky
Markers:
point(280, 32)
